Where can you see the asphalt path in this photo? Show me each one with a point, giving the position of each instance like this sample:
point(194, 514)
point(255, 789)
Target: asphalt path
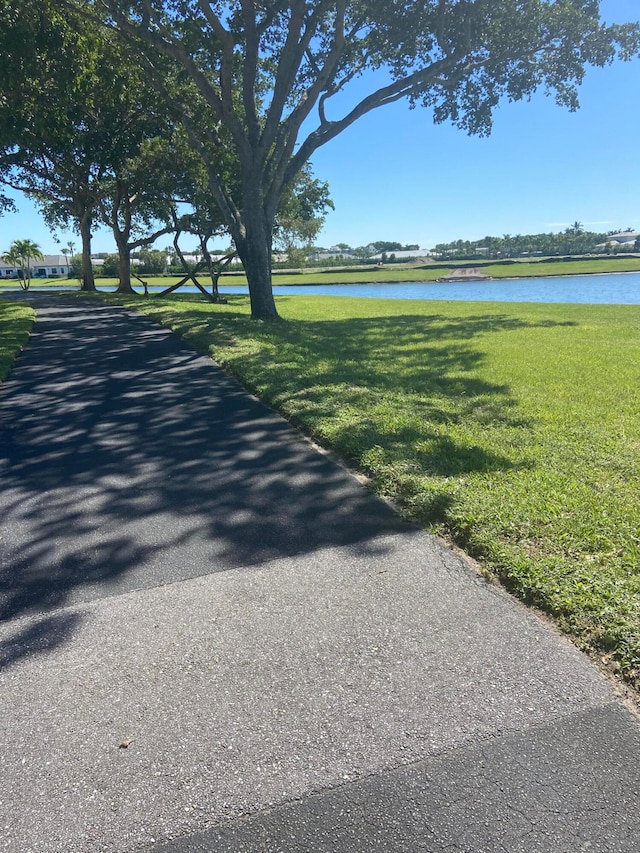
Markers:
point(213, 638)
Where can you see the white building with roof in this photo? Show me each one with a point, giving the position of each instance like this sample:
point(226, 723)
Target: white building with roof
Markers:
point(625, 239)
point(403, 255)
point(51, 266)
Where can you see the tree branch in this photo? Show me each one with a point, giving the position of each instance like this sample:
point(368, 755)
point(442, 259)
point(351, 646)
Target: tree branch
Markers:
point(395, 91)
point(145, 241)
point(229, 209)
point(226, 64)
point(288, 130)
point(291, 56)
point(250, 70)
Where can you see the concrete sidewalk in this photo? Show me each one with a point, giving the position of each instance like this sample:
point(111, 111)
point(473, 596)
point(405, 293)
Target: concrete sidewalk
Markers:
point(214, 639)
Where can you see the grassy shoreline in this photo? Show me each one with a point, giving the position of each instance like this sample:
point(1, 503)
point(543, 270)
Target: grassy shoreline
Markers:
point(512, 270)
point(16, 320)
point(400, 274)
point(511, 429)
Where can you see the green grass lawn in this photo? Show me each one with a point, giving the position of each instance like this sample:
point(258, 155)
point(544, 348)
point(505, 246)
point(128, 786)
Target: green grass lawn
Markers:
point(579, 266)
point(431, 272)
point(512, 429)
point(16, 320)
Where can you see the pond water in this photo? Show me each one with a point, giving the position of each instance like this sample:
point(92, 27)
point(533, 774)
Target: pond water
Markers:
point(612, 289)
point(606, 289)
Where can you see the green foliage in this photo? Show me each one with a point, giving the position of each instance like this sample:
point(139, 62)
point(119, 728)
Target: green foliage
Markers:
point(152, 261)
point(75, 113)
point(390, 246)
point(110, 266)
point(574, 240)
point(75, 267)
point(512, 429)
point(301, 215)
point(262, 85)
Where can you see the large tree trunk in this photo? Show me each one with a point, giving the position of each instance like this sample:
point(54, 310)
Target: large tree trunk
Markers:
point(124, 263)
point(254, 248)
point(214, 274)
point(88, 281)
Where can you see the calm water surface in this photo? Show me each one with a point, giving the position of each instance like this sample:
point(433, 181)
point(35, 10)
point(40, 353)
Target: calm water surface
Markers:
point(617, 289)
point(607, 289)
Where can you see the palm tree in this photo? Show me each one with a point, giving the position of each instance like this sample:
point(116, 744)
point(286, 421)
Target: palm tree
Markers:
point(69, 253)
point(11, 258)
point(20, 255)
point(68, 250)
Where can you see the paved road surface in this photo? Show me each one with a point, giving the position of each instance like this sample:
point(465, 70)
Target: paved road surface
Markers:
point(292, 667)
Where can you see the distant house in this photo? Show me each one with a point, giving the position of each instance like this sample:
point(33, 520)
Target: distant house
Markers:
point(330, 255)
point(97, 262)
point(7, 271)
point(51, 266)
point(403, 255)
point(624, 238)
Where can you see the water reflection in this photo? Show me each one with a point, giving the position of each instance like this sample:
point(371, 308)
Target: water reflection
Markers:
point(616, 289)
point(605, 289)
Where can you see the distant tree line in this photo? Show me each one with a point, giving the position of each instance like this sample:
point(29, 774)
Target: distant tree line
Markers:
point(153, 262)
point(344, 253)
point(574, 240)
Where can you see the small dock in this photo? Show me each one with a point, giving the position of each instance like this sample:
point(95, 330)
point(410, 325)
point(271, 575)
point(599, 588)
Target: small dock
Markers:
point(465, 274)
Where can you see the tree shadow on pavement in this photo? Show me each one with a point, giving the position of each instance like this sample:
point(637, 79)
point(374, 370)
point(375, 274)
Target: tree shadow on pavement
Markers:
point(41, 635)
point(128, 461)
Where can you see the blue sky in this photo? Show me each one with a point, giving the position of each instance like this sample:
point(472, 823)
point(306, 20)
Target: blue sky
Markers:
point(394, 175)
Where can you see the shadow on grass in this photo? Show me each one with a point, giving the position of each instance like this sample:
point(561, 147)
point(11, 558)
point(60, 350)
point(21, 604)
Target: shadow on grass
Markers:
point(419, 373)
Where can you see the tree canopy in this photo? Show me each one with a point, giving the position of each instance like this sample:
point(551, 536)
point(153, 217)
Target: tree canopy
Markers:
point(73, 111)
point(261, 79)
point(255, 87)
point(88, 136)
